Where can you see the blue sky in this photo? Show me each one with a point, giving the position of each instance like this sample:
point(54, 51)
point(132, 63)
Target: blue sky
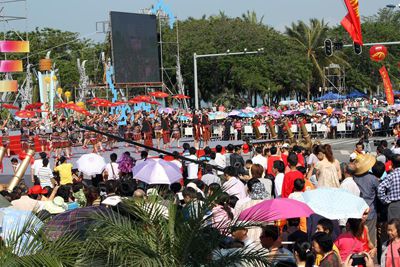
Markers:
point(81, 15)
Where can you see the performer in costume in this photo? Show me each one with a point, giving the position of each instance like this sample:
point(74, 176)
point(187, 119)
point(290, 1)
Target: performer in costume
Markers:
point(158, 132)
point(206, 129)
point(5, 140)
point(128, 132)
point(166, 133)
point(137, 136)
point(176, 134)
point(196, 130)
point(24, 135)
point(255, 123)
point(147, 130)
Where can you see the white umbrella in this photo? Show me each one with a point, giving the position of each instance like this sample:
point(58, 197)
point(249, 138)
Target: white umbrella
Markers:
point(157, 171)
point(91, 164)
point(334, 203)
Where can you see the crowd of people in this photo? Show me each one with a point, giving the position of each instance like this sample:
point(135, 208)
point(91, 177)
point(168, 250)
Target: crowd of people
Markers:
point(275, 170)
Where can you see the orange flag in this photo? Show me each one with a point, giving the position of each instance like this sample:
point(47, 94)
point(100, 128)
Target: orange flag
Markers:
point(388, 85)
point(351, 22)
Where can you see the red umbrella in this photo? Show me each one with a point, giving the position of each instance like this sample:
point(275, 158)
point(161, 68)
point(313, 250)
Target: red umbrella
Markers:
point(24, 114)
point(120, 103)
point(158, 94)
point(133, 101)
point(9, 106)
point(181, 96)
point(96, 99)
point(152, 102)
point(60, 105)
point(142, 98)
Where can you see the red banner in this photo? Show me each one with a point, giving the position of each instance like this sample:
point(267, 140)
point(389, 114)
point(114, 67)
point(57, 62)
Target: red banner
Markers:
point(351, 22)
point(388, 85)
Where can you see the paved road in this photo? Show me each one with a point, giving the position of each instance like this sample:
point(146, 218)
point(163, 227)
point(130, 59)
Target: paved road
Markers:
point(342, 149)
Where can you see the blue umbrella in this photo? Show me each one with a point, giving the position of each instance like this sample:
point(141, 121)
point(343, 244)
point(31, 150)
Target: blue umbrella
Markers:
point(331, 96)
point(334, 203)
point(356, 94)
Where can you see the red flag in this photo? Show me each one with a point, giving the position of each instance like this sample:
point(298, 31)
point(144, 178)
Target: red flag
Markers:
point(351, 22)
point(388, 85)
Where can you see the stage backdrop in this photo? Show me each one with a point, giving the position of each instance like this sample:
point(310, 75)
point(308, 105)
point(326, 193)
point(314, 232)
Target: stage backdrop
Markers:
point(135, 47)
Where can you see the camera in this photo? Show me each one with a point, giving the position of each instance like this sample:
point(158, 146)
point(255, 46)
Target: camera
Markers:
point(358, 260)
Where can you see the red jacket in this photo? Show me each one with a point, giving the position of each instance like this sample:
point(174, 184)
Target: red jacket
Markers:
point(288, 182)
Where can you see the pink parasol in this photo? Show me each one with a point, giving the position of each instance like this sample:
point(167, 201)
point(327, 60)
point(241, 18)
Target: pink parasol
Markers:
point(275, 209)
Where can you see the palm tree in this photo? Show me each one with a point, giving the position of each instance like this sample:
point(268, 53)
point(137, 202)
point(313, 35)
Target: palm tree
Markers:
point(137, 233)
point(251, 17)
point(310, 39)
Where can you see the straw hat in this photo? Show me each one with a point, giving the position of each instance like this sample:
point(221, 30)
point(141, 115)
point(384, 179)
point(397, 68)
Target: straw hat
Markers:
point(364, 163)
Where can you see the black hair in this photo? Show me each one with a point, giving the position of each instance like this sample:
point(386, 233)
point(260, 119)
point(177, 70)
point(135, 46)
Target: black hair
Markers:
point(299, 184)
point(378, 169)
point(144, 154)
point(113, 157)
point(127, 187)
point(380, 149)
point(279, 165)
point(396, 223)
point(384, 144)
point(192, 150)
point(230, 148)
point(252, 182)
point(175, 187)
point(294, 222)
point(259, 150)
point(14, 160)
point(302, 169)
point(396, 161)
point(326, 224)
point(230, 171)
point(200, 184)
point(218, 148)
point(176, 154)
point(36, 180)
point(76, 187)
point(304, 252)
point(232, 201)
point(213, 155)
point(45, 162)
point(207, 150)
point(185, 146)
point(296, 149)
point(64, 191)
point(271, 231)
point(43, 155)
point(292, 159)
point(324, 241)
point(189, 192)
point(223, 200)
point(355, 226)
point(111, 186)
point(249, 161)
point(360, 144)
point(62, 159)
point(273, 150)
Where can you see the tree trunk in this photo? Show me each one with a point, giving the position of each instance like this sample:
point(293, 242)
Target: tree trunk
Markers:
point(308, 90)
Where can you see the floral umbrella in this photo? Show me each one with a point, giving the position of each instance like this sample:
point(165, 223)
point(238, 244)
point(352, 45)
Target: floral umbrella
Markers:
point(142, 98)
point(159, 94)
point(60, 105)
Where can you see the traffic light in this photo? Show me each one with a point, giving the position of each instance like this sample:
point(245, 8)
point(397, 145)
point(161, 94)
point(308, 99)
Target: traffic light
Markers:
point(328, 47)
point(357, 48)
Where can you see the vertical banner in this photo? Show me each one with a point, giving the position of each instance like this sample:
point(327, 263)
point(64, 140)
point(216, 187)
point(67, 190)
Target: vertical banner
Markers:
point(351, 23)
point(387, 85)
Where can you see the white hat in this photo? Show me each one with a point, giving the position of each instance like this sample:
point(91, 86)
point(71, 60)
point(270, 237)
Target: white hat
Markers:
point(285, 145)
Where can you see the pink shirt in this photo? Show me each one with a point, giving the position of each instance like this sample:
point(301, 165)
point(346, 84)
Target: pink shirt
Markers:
point(348, 244)
point(396, 248)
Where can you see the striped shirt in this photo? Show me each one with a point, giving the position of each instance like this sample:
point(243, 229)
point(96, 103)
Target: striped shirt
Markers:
point(45, 174)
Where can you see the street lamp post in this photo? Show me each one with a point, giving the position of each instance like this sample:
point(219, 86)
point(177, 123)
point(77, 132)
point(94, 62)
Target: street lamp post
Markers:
point(227, 53)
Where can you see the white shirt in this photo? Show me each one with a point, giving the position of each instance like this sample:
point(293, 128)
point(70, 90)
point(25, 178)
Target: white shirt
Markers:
point(109, 169)
point(37, 164)
point(192, 168)
point(278, 184)
point(235, 187)
point(312, 159)
point(210, 178)
point(177, 163)
point(349, 185)
point(396, 150)
point(260, 159)
point(220, 160)
point(45, 174)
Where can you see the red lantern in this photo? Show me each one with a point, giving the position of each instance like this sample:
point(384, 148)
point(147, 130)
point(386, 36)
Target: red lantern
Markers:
point(378, 53)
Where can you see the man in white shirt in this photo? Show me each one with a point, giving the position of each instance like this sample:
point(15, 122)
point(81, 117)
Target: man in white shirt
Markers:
point(220, 159)
point(209, 177)
point(348, 184)
point(259, 158)
point(112, 168)
point(193, 168)
point(37, 164)
point(279, 172)
point(233, 186)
